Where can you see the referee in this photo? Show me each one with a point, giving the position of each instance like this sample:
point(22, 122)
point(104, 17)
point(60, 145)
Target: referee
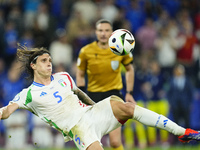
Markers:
point(103, 69)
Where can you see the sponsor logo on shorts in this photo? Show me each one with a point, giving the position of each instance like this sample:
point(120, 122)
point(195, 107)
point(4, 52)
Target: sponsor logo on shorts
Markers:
point(78, 140)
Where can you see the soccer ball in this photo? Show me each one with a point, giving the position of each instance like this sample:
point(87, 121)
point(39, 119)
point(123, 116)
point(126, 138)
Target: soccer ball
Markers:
point(121, 42)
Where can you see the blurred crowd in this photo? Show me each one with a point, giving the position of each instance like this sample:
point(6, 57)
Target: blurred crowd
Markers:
point(166, 59)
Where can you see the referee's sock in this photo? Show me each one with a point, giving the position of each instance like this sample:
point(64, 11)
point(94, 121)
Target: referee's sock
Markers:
point(119, 148)
point(150, 118)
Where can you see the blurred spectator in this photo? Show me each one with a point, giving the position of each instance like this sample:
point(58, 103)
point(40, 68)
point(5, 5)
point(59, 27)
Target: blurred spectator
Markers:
point(162, 21)
point(2, 30)
point(120, 22)
point(11, 38)
point(2, 75)
point(40, 38)
point(46, 22)
point(180, 96)
point(172, 28)
point(141, 77)
point(141, 72)
point(197, 25)
point(27, 39)
point(16, 134)
point(41, 133)
point(61, 50)
point(166, 52)
point(43, 26)
point(56, 7)
point(195, 113)
point(76, 26)
point(156, 102)
point(62, 11)
point(87, 8)
point(30, 9)
point(172, 7)
point(124, 4)
point(2, 68)
point(152, 9)
point(43, 17)
point(12, 82)
point(15, 16)
point(187, 41)
point(148, 34)
point(111, 9)
point(197, 72)
point(79, 32)
point(136, 15)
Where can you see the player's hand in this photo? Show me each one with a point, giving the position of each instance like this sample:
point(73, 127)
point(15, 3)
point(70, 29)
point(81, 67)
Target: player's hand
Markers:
point(129, 98)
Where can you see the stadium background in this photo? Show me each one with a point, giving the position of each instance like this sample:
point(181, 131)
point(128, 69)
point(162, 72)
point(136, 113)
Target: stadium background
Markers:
point(64, 26)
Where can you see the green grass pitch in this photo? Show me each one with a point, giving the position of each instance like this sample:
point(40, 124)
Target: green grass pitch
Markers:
point(150, 148)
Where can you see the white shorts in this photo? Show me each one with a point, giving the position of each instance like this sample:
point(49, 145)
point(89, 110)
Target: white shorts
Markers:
point(97, 121)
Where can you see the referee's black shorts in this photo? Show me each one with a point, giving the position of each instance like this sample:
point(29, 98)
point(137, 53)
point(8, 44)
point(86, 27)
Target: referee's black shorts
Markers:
point(98, 96)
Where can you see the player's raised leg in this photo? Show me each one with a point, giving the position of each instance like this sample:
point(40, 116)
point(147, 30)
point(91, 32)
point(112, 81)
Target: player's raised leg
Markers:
point(125, 111)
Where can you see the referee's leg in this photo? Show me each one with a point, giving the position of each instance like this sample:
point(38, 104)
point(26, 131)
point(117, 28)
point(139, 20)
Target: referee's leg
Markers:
point(115, 139)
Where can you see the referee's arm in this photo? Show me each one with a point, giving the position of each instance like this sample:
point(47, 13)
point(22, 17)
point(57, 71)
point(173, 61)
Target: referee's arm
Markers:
point(129, 83)
point(80, 77)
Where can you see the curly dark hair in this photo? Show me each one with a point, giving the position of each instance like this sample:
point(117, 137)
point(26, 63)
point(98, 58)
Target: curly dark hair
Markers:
point(28, 56)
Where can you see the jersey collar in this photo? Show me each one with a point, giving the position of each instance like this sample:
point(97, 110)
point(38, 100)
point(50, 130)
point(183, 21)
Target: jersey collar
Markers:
point(41, 85)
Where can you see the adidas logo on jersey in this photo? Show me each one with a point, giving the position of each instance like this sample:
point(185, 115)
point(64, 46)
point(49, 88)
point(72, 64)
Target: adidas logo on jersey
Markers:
point(43, 94)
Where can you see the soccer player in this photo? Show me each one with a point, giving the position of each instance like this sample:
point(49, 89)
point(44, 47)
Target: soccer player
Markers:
point(103, 70)
point(56, 100)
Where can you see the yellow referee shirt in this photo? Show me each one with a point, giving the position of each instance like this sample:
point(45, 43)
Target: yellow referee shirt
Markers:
point(102, 67)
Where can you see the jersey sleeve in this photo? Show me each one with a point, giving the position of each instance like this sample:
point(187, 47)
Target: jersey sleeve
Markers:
point(20, 99)
point(82, 61)
point(127, 59)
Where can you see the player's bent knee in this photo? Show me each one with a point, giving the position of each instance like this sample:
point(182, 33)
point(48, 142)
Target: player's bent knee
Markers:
point(122, 110)
point(129, 109)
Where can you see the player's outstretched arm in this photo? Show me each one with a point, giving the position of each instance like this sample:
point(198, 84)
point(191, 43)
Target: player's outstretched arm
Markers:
point(6, 111)
point(84, 97)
